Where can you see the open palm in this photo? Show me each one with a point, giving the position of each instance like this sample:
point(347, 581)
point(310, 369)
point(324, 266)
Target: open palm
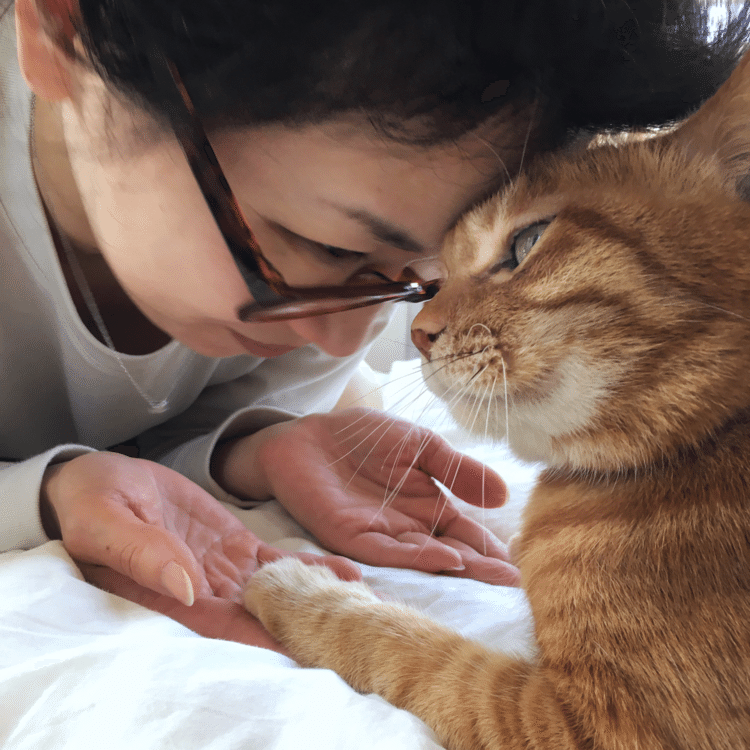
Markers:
point(364, 484)
point(156, 527)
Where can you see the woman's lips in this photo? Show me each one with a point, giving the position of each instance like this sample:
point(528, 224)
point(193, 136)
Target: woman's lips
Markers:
point(258, 349)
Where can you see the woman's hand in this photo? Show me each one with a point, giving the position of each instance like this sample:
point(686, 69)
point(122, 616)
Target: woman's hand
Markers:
point(211, 617)
point(156, 527)
point(362, 483)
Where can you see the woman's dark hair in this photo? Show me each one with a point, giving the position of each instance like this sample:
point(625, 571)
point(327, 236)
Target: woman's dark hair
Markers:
point(421, 70)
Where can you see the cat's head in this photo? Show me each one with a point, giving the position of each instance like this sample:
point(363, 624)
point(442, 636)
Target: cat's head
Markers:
point(600, 306)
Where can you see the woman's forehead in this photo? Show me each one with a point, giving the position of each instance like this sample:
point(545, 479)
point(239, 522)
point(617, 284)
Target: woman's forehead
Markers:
point(404, 139)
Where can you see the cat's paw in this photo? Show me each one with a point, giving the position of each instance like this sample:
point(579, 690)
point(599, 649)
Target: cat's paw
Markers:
point(284, 579)
point(288, 596)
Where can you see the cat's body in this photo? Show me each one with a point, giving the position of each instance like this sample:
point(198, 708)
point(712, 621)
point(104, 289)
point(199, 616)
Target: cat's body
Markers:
point(623, 339)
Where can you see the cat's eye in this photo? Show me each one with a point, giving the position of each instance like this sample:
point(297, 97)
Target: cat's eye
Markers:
point(524, 241)
point(521, 245)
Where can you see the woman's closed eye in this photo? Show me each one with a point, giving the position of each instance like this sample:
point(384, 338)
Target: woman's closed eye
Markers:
point(326, 253)
point(356, 265)
point(339, 253)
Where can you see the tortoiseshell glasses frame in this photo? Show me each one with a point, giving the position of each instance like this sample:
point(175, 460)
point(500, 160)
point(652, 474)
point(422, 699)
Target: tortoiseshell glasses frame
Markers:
point(273, 299)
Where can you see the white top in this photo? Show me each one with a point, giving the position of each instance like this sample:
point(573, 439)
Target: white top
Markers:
point(63, 393)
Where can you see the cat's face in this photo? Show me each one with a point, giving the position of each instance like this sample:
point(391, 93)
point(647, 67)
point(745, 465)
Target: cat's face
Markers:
point(599, 308)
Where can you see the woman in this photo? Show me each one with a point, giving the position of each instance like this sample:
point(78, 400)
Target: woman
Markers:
point(135, 300)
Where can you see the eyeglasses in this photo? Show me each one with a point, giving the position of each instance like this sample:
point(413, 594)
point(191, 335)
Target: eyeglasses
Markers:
point(273, 299)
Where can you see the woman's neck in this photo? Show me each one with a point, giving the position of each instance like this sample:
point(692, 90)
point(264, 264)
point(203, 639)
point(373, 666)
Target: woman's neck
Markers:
point(130, 331)
point(54, 176)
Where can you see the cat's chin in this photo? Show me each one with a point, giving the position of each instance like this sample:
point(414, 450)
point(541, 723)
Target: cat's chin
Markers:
point(526, 441)
point(529, 437)
point(489, 421)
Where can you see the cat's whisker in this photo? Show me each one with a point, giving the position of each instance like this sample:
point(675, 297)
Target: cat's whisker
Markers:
point(424, 390)
point(407, 400)
point(726, 312)
point(416, 419)
point(460, 393)
point(505, 399)
point(397, 488)
point(398, 447)
point(387, 494)
point(347, 440)
point(403, 440)
point(451, 358)
point(407, 394)
point(416, 377)
point(484, 468)
point(392, 409)
point(425, 442)
point(436, 372)
point(479, 325)
point(492, 150)
point(479, 400)
point(478, 405)
point(352, 424)
point(386, 421)
point(528, 133)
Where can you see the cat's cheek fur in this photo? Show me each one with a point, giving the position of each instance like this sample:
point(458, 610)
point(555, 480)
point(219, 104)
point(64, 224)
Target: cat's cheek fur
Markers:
point(531, 425)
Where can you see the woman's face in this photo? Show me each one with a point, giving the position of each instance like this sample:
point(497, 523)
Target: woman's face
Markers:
point(325, 203)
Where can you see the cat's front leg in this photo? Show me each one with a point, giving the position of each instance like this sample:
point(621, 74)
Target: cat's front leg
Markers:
point(300, 604)
point(326, 622)
point(467, 694)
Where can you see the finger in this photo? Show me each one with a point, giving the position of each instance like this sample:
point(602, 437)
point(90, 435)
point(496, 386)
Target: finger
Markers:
point(150, 555)
point(464, 476)
point(498, 572)
point(477, 537)
point(116, 583)
point(211, 617)
point(344, 568)
point(411, 549)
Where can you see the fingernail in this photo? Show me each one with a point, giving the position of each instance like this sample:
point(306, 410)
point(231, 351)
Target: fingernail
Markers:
point(175, 579)
point(457, 568)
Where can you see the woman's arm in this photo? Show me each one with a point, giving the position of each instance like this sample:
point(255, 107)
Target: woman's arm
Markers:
point(22, 523)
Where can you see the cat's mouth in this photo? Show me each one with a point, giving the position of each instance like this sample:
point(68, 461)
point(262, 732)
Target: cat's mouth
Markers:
point(489, 374)
point(464, 374)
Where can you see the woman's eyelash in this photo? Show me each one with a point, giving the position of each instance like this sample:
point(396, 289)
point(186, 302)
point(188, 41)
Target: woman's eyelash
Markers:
point(327, 252)
point(339, 253)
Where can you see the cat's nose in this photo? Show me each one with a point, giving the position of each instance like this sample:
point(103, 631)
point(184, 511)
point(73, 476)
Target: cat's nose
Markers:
point(424, 341)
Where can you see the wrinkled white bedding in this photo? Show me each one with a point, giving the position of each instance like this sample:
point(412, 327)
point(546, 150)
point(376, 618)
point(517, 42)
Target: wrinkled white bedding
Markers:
point(80, 668)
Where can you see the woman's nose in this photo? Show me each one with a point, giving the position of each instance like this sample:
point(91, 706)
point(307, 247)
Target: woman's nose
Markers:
point(421, 269)
point(342, 334)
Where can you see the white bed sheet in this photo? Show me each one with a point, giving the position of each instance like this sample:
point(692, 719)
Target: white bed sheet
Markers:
point(80, 668)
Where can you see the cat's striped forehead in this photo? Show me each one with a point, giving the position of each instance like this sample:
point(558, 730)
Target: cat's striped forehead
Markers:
point(621, 182)
point(606, 289)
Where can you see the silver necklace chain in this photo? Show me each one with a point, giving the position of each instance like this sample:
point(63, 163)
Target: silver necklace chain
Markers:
point(155, 407)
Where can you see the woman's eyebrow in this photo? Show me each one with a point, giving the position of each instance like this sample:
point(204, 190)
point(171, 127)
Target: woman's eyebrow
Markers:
point(383, 230)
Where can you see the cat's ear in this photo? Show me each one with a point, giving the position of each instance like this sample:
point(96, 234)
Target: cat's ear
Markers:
point(720, 129)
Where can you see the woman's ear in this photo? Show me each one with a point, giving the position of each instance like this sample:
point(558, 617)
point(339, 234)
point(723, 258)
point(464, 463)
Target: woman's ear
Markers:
point(45, 34)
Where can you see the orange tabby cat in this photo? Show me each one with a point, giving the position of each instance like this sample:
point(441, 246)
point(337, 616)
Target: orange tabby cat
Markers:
point(609, 291)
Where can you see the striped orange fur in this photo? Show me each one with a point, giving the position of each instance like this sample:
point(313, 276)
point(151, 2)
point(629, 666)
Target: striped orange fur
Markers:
point(623, 340)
